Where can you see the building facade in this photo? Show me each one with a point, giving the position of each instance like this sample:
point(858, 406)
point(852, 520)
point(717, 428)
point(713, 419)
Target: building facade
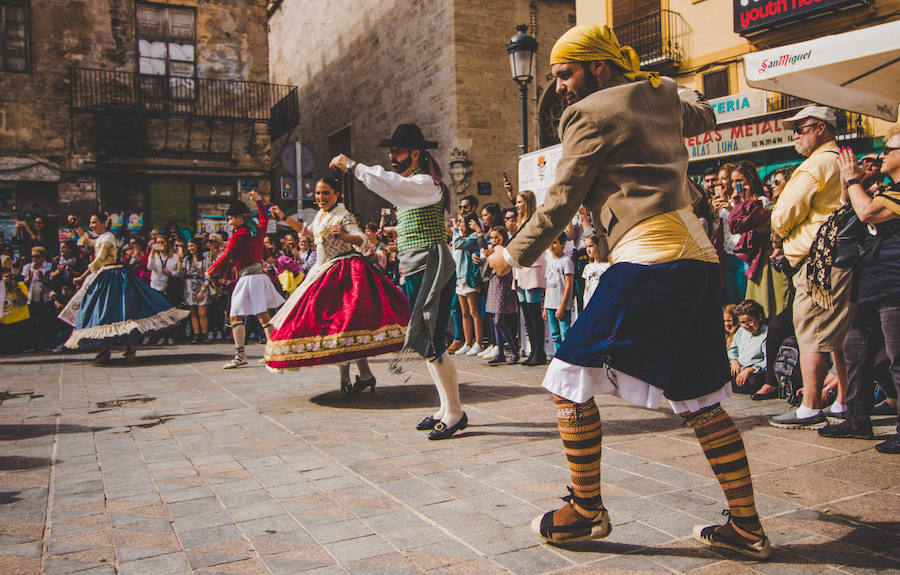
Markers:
point(362, 67)
point(157, 112)
point(701, 43)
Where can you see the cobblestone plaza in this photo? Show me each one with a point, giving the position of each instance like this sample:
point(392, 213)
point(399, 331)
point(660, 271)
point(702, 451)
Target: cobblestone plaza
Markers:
point(171, 465)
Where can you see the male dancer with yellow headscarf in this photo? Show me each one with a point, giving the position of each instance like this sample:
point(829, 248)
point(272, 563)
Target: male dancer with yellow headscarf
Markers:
point(653, 328)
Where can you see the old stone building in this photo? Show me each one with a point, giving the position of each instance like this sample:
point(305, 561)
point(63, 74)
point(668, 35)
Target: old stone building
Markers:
point(158, 112)
point(362, 67)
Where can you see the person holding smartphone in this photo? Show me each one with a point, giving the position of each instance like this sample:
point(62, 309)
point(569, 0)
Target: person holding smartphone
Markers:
point(751, 219)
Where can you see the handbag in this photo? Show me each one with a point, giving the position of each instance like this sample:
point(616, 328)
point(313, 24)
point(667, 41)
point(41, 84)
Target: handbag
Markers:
point(849, 245)
point(473, 274)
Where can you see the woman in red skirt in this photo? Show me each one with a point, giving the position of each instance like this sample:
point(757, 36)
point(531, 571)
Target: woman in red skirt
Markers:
point(345, 309)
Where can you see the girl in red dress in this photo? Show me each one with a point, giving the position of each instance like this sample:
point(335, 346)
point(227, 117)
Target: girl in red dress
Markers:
point(345, 309)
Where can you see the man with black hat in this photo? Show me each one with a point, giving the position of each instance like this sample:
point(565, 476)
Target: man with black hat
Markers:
point(253, 293)
point(421, 199)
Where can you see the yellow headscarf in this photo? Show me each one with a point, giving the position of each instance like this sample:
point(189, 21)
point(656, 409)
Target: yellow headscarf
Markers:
point(590, 42)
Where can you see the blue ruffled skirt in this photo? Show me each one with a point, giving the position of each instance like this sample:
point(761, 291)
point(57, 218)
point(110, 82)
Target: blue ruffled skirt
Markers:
point(648, 331)
point(118, 307)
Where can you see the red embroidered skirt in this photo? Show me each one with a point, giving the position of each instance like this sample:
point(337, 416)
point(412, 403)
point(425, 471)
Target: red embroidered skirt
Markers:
point(350, 311)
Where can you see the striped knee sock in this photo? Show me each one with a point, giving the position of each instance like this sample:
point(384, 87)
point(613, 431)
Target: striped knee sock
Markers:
point(722, 444)
point(581, 433)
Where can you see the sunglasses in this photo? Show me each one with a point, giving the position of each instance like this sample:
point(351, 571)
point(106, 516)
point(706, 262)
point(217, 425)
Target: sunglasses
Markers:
point(887, 150)
point(507, 218)
point(800, 129)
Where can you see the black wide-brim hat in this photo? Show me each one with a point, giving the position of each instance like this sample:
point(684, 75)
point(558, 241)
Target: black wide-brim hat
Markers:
point(237, 208)
point(408, 136)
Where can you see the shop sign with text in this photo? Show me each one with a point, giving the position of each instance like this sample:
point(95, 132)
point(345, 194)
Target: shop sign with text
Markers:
point(752, 15)
point(739, 106)
point(741, 138)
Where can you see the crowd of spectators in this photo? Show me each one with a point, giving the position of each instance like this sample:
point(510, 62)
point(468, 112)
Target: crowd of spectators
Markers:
point(775, 239)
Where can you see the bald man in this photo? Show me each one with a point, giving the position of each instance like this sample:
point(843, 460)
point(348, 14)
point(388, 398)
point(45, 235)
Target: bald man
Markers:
point(652, 329)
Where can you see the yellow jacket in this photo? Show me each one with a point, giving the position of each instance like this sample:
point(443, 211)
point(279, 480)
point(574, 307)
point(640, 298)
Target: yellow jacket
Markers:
point(809, 197)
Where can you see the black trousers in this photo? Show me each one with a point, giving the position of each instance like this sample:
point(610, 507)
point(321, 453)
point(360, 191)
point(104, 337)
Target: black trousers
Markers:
point(876, 324)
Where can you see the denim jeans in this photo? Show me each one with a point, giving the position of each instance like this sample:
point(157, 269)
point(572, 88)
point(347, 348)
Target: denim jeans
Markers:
point(558, 327)
point(876, 324)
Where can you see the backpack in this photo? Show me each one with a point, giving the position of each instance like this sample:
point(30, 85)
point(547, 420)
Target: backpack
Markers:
point(787, 371)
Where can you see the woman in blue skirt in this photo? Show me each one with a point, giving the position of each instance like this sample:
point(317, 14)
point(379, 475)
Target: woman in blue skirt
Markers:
point(113, 306)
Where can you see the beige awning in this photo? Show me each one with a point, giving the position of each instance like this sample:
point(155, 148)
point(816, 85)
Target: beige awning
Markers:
point(28, 170)
point(857, 71)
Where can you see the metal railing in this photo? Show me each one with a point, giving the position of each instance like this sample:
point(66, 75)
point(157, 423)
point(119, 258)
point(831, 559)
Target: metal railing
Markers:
point(849, 124)
point(658, 38)
point(94, 90)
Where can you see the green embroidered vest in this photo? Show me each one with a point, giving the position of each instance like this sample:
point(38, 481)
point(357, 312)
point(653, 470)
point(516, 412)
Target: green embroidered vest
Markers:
point(423, 226)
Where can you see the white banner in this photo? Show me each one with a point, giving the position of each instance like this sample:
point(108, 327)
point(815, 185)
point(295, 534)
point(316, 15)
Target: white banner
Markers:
point(765, 133)
point(739, 106)
point(537, 170)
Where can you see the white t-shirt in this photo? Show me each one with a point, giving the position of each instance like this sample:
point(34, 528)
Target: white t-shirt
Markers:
point(556, 272)
point(591, 275)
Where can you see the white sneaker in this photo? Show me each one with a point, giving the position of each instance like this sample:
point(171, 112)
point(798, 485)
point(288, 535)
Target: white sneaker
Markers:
point(463, 350)
point(476, 349)
point(488, 353)
point(492, 356)
point(485, 351)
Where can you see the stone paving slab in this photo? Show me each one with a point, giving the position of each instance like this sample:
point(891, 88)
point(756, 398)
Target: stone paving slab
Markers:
point(172, 465)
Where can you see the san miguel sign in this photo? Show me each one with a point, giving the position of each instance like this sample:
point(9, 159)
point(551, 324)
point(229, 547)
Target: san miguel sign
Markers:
point(753, 15)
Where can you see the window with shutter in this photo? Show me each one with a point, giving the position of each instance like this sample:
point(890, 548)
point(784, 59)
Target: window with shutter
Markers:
point(715, 84)
point(167, 50)
point(15, 36)
point(628, 10)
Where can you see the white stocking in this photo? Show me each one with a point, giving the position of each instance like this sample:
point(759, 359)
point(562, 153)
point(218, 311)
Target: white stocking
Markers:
point(444, 373)
point(439, 414)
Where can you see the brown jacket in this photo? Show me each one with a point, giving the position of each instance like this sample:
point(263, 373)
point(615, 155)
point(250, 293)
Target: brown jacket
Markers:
point(623, 158)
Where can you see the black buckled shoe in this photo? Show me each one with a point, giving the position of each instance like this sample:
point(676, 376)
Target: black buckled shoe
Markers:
point(427, 423)
point(596, 528)
point(441, 431)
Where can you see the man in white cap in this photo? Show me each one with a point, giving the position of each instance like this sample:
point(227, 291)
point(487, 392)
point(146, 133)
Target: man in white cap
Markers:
point(822, 309)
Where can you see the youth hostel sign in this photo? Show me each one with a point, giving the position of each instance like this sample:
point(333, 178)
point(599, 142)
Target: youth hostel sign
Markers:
point(753, 15)
point(755, 135)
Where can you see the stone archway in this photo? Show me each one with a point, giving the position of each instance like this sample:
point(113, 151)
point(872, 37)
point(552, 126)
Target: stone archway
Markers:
point(551, 109)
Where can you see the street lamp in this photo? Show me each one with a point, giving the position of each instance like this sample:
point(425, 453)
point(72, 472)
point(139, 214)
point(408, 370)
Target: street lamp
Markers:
point(521, 48)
